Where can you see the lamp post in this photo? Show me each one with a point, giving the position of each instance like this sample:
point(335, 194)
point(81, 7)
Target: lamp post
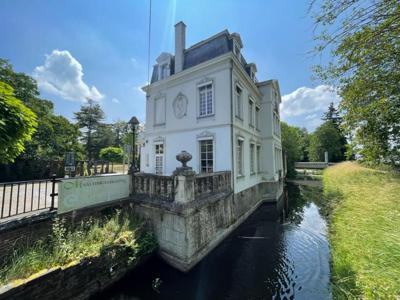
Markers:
point(133, 122)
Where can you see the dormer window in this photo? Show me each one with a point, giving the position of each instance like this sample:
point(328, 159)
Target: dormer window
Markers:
point(164, 71)
point(237, 44)
point(236, 50)
point(252, 71)
point(164, 65)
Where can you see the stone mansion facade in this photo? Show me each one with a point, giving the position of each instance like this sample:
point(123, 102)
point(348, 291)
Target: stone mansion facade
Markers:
point(207, 100)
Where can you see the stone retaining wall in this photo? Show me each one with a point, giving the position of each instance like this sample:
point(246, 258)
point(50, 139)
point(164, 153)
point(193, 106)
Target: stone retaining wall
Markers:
point(186, 232)
point(27, 230)
point(79, 281)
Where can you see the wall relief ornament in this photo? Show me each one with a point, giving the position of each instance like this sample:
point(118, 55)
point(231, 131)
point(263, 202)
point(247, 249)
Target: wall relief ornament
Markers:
point(180, 106)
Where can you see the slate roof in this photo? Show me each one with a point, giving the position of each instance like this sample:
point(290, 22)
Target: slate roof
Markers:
point(213, 47)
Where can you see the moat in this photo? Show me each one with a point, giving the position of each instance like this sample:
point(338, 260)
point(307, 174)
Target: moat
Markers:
point(277, 253)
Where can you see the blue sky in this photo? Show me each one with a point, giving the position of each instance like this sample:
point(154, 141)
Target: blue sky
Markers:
point(98, 49)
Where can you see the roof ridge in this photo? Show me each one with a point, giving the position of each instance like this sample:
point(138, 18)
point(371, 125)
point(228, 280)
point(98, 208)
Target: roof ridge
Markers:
point(225, 31)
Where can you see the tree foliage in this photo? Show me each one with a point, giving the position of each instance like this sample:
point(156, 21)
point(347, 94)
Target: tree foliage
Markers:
point(112, 154)
point(89, 120)
point(292, 145)
point(326, 138)
point(17, 124)
point(363, 39)
point(55, 134)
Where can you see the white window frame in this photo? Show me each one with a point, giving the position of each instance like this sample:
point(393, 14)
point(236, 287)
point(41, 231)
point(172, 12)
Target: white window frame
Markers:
point(276, 123)
point(252, 149)
point(257, 117)
point(251, 111)
point(156, 123)
point(239, 157)
point(164, 70)
point(200, 141)
point(207, 105)
point(258, 154)
point(238, 102)
point(159, 155)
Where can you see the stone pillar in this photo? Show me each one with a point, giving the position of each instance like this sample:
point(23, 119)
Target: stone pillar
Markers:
point(326, 157)
point(184, 178)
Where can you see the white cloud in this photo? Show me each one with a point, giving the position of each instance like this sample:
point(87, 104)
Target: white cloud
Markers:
point(115, 100)
point(306, 100)
point(305, 106)
point(62, 74)
point(311, 117)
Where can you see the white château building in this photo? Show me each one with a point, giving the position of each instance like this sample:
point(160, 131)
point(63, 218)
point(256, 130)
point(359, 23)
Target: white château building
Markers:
point(206, 100)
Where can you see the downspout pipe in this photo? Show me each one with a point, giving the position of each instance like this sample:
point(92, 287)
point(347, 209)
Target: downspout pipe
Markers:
point(231, 125)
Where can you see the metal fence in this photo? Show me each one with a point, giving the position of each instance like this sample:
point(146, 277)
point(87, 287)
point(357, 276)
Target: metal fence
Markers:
point(20, 197)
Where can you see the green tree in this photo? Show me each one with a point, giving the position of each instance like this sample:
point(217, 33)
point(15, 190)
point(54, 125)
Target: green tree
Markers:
point(17, 124)
point(89, 120)
point(304, 144)
point(54, 134)
point(120, 129)
point(326, 138)
point(292, 145)
point(103, 137)
point(363, 40)
point(112, 154)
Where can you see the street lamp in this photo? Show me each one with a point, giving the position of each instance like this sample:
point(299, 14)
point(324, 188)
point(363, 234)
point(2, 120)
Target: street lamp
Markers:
point(133, 122)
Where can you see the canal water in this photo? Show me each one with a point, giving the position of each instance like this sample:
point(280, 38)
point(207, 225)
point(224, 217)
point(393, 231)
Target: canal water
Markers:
point(277, 253)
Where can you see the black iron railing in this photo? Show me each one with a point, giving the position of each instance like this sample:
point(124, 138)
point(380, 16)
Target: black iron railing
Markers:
point(20, 197)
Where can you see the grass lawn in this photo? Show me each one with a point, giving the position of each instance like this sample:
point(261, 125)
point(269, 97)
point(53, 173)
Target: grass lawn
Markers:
point(364, 231)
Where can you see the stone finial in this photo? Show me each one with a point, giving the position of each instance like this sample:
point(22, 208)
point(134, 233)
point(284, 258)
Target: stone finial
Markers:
point(183, 158)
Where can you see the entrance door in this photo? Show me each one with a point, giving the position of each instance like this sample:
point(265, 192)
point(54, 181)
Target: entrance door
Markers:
point(159, 157)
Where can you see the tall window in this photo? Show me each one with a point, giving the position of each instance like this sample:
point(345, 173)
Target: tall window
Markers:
point(252, 160)
point(159, 111)
point(206, 100)
point(277, 127)
point(251, 112)
point(239, 104)
point(159, 157)
point(257, 117)
point(206, 156)
point(239, 157)
point(258, 159)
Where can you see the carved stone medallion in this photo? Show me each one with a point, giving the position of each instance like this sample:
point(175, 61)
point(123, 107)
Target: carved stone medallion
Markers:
point(180, 106)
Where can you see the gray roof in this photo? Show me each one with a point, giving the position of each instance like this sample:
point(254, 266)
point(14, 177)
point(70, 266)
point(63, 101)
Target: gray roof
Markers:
point(213, 47)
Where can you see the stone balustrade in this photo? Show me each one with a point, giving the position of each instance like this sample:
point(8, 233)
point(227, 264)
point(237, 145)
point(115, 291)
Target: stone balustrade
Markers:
point(167, 187)
point(211, 183)
point(154, 185)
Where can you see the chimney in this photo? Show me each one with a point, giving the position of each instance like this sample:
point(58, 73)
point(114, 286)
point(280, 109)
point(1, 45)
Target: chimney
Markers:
point(180, 29)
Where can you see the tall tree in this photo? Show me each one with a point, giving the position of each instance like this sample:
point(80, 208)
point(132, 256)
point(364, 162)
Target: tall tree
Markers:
point(291, 144)
point(120, 129)
point(17, 124)
point(89, 120)
point(363, 39)
point(326, 138)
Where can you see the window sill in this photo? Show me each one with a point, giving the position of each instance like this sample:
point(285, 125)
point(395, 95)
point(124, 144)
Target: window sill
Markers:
point(241, 176)
point(205, 116)
point(239, 118)
point(159, 125)
point(252, 174)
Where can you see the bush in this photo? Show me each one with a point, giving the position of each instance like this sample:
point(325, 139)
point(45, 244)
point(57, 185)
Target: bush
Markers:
point(112, 154)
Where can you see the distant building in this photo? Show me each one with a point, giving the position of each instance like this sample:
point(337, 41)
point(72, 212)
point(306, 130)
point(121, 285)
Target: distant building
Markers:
point(207, 100)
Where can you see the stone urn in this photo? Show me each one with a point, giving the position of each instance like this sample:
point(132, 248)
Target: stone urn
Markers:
point(184, 157)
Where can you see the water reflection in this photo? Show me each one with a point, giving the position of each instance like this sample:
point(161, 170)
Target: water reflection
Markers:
point(278, 253)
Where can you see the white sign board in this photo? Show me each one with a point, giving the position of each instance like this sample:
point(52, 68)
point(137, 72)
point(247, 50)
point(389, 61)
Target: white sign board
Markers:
point(76, 193)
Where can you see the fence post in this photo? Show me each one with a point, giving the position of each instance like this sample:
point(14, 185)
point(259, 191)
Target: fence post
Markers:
point(53, 189)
